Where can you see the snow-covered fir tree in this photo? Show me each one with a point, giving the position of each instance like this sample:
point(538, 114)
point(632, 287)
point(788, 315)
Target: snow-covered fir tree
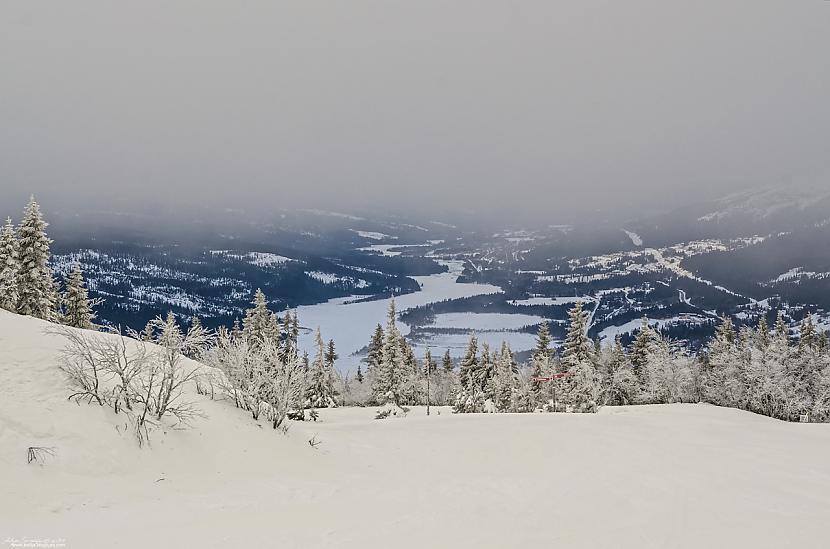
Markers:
point(724, 381)
point(374, 350)
point(260, 323)
point(471, 391)
point(430, 366)
point(320, 391)
point(77, 307)
point(503, 386)
point(36, 288)
point(392, 372)
point(582, 384)
point(620, 385)
point(765, 392)
point(641, 350)
point(446, 362)
point(9, 267)
point(542, 364)
point(669, 374)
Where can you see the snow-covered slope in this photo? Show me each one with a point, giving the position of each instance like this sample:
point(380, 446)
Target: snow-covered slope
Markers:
point(665, 476)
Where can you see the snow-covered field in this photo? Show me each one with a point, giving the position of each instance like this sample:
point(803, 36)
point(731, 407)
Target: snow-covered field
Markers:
point(485, 321)
point(681, 476)
point(458, 343)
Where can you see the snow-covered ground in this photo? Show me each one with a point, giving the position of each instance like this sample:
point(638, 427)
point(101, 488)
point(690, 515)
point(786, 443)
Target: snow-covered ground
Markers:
point(681, 476)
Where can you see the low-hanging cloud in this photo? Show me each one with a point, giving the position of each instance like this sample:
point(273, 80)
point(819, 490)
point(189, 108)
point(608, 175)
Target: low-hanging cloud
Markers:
point(512, 108)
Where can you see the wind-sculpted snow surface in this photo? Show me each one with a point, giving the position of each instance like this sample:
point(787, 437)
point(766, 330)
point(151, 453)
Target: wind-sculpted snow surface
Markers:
point(681, 476)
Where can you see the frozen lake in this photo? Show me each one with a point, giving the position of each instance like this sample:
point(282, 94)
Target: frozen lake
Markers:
point(351, 324)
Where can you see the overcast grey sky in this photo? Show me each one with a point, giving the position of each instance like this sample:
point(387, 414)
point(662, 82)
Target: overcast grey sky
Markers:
point(521, 106)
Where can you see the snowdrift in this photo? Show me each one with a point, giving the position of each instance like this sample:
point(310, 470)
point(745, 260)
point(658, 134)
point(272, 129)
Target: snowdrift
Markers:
point(650, 476)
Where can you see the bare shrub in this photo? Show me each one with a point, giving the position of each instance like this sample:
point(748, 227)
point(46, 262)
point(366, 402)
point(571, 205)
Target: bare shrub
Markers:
point(81, 360)
point(40, 454)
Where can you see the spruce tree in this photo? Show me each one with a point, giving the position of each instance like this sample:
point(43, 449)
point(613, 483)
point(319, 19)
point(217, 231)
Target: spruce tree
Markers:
point(762, 333)
point(470, 397)
point(320, 392)
point(469, 364)
point(295, 330)
point(582, 384)
point(620, 385)
point(236, 330)
point(77, 308)
point(392, 372)
point(504, 383)
point(430, 366)
point(723, 384)
point(807, 336)
point(37, 295)
point(260, 324)
point(641, 350)
point(446, 362)
point(375, 348)
point(781, 328)
point(9, 267)
point(331, 355)
point(541, 362)
point(287, 346)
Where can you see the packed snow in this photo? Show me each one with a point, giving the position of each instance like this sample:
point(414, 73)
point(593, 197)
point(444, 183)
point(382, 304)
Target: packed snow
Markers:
point(681, 476)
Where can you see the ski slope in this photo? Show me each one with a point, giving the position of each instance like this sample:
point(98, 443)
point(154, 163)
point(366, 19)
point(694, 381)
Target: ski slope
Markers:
point(680, 476)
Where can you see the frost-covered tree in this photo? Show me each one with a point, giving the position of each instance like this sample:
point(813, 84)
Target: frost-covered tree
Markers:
point(375, 349)
point(470, 396)
point(260, 323)
point(430, 366)
point(288, 343)
point(620, 386)
point(669, 374)
point(582, 384)
point(77, 307)
point(392, 373)
point(641, 350)
point(541, 360)
point(765, 379)
point(446, 362)
point(724, 380)
point(37, 294)
point(443, 382)
point(503, 383)
point(321, 392)
point(283, 386)
point(9, 267)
